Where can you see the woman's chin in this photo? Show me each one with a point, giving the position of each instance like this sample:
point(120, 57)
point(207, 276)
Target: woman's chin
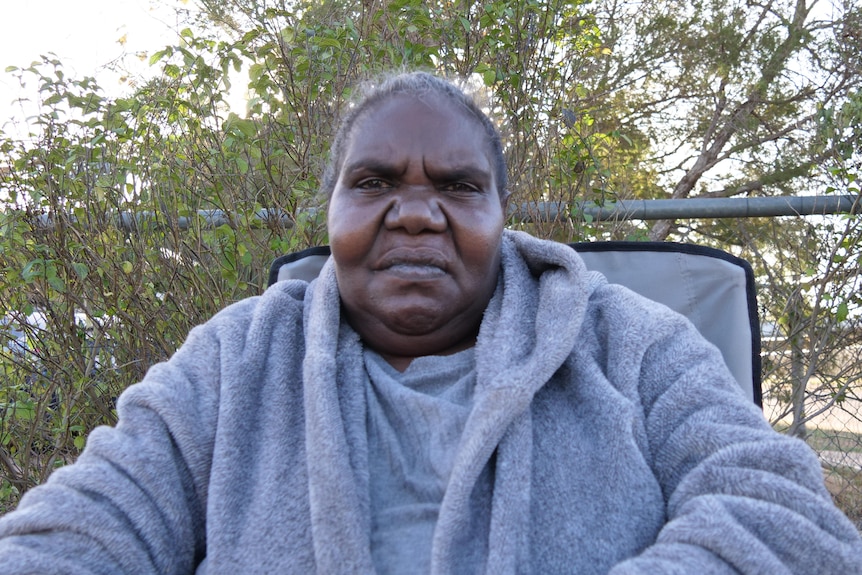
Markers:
point(417, 331)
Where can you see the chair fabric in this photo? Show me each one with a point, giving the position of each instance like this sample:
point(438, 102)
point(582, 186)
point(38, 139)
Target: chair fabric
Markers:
point(712, 288)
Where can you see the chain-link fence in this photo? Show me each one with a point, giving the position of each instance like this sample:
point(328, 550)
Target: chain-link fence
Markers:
point(823, 406)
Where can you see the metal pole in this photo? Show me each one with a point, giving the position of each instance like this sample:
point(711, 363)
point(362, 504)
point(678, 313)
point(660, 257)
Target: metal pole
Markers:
point(694, 208)
point(131, 221)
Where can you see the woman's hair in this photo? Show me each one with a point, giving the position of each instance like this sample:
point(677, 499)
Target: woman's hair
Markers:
point(419, 85)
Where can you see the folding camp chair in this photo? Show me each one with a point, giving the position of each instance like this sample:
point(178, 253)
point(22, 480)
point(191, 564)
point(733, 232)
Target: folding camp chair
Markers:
point(713, 289)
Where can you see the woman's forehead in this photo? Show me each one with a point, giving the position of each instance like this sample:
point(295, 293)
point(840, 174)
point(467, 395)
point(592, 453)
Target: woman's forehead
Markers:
point(429, 125)
point(412, 109)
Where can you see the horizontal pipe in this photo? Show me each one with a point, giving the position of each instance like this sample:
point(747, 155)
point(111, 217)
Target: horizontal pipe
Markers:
point(131, 221)
point(211, 219)
point(695, 208)
point(692, 208)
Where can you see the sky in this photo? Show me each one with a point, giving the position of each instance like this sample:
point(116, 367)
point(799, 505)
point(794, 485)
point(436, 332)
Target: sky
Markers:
point(90, 37)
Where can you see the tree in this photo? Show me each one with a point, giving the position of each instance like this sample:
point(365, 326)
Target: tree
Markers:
point(735, 97)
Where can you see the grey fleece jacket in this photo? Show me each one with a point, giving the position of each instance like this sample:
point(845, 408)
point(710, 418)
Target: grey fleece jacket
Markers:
point(615, 438)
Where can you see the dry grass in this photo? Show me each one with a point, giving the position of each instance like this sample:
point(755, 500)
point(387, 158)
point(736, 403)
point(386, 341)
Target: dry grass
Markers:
point(834, 440)
point(845, 485)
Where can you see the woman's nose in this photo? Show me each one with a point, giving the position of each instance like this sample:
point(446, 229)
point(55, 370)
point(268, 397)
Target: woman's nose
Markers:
point(416, 211)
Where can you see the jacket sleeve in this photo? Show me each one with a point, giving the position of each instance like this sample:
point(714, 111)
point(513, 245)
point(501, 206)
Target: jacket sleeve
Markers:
point(741, 498)
point(135, 500)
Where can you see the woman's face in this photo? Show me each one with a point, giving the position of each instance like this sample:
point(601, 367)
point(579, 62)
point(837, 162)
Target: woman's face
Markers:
point(415, 225)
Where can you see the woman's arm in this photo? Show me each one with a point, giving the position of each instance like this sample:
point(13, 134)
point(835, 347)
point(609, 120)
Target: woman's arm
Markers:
point(135, 500)
point(740, 497)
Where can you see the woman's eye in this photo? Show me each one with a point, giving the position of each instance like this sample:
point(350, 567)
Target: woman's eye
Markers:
point(460, 187)
point(373, 184)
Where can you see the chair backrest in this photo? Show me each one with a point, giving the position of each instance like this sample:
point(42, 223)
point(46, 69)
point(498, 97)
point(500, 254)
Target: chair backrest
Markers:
point(712, 288)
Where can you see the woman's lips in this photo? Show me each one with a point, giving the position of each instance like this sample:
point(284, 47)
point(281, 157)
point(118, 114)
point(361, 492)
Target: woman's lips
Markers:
point(415, 272)
point(414, 263)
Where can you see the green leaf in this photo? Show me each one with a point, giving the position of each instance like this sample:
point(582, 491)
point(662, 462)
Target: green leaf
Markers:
point(330, 43)
point(57, 283)
point(842, 312)
point(80, 270)
point(32, 270)
point(242, 164)
point(24, 410)
point(159, 55)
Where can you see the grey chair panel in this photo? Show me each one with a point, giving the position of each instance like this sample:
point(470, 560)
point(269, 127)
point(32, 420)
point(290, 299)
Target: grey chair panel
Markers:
point(713, 289)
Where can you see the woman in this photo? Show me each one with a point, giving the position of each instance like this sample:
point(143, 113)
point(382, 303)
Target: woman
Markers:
point(446, 397)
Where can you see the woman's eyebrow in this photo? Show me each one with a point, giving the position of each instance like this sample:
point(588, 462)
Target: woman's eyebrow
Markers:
point(374, 166)
point(467, 173)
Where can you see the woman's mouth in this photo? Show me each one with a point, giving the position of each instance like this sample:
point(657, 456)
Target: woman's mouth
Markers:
point(414, 263)
point(415, 271)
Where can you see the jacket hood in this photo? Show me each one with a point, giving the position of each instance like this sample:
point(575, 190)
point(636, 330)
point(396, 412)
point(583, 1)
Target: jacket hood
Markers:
point(529, 329)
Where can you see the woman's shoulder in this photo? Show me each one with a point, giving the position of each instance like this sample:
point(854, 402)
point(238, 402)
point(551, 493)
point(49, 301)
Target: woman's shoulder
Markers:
point(263, 320)
point(281, 300)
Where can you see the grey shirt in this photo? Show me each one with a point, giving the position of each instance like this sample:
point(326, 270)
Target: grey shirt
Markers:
point(415, 423)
